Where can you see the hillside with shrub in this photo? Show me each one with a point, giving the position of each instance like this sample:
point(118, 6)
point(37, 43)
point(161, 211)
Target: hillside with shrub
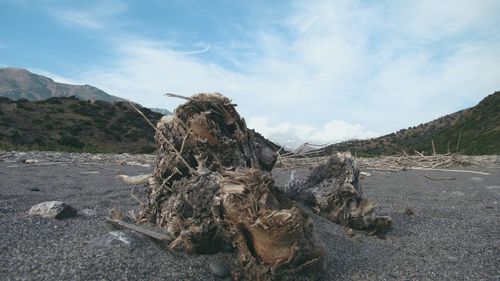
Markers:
point(70, 124)
point(473, 131)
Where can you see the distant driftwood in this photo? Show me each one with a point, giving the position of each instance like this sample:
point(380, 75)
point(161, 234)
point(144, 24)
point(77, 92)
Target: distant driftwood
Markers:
point(401, 162)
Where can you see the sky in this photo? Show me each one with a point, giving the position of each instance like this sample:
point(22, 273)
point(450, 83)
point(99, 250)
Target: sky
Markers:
point(300, 71)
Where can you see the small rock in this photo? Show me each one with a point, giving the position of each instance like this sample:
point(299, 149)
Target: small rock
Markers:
point(30, 161)
point(350, 232)
point(88, 212)
point(458, 193)
point(53, 209)
point(219, 269)
point(366, 174)
point(409, 212)
point(34, 189)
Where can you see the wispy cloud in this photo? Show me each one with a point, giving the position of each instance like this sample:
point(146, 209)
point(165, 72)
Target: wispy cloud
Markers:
point(80, 18)
point(340, 67)
point(92, 16)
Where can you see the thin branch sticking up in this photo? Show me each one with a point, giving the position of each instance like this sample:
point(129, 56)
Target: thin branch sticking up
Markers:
point(191, 170)
point(179, 96)
point(281, 158)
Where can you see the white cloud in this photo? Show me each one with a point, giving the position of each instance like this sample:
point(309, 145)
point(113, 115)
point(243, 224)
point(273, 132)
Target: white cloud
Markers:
point(294, 135)
point(385, 67)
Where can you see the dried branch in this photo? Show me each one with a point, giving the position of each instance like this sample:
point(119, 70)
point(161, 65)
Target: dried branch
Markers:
point(191, 170)
point(439, 179)
point(179, 96)
point(140, 229)
point(135, 197)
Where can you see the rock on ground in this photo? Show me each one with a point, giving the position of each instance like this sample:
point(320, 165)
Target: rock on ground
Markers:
point(53, 210)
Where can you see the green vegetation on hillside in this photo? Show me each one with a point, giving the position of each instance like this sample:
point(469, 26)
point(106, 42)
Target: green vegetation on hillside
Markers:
point(69, 124)
point(472, 131)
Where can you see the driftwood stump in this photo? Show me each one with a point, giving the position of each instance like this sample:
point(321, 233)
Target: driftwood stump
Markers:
point(213, 191)
point(334, 191)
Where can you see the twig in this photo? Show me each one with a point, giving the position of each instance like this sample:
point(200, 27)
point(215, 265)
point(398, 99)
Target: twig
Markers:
point(135, 197)
point(446, 170)
point(441, 163)
point(140, 229)
point(179, 96)
point(191, 170)
point(184, 141)
point(281, 158)
point(439, 179)
point(433, 148)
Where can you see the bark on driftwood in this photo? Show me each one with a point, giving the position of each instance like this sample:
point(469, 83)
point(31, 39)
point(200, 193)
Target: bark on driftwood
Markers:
point(212, 191)
point(333, 189)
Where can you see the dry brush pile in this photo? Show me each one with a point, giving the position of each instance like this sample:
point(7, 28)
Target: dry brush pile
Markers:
point(212, 190)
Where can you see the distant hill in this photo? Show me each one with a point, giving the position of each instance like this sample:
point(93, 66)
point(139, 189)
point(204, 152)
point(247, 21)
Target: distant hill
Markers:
point(472, 131)
point(18, 83)
point(70, 124)
point(161, 110)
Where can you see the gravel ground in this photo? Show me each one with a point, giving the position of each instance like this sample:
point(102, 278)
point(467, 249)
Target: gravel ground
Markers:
point(453, 235)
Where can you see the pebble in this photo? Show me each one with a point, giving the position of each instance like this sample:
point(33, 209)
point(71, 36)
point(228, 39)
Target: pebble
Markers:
point(458, 193)
point(88, 213)
point(219, 269)
point(34, 189)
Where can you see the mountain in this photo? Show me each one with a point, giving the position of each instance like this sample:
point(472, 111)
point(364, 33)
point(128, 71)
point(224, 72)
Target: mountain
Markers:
point(160, 110)
point(70, 124)
point(472, 131)
point(18, 83)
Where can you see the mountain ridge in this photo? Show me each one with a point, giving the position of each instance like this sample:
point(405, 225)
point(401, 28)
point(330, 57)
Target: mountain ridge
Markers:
point(18, 83)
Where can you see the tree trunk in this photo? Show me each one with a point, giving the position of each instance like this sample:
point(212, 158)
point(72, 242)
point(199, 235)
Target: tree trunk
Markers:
point(212, 190)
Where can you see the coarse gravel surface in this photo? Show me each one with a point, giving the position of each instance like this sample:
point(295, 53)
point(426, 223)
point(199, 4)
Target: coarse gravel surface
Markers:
point(453, 234)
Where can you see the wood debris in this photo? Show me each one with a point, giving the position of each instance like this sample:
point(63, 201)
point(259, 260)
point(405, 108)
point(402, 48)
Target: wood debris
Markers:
point(212, 191)
point(334, 190)
point(397, 163)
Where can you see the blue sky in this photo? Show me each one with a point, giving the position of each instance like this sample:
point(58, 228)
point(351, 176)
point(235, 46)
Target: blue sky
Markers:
point(317, 71)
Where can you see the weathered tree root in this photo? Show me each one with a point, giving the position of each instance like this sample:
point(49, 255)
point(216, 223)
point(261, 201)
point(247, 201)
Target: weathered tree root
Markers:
point(334, 191)
point(212, 191)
